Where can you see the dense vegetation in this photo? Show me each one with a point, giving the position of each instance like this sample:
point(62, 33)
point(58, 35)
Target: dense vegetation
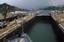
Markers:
point(11, 8)
point(53, 8)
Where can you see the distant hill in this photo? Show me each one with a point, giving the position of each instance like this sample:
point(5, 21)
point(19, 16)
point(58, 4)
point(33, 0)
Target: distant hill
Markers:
point(11, 8)
point(53, 8)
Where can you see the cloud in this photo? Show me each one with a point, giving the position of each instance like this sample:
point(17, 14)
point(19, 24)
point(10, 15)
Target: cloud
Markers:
point(56, 2)
point(2, 1)
point(30, 4)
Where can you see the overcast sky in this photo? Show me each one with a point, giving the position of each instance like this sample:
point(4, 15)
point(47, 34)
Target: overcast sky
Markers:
point(30, 4)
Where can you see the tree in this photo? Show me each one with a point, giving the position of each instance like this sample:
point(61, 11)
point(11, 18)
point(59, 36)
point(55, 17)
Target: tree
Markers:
point(5, 11)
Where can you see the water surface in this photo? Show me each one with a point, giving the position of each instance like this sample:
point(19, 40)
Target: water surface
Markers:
point(42, 31)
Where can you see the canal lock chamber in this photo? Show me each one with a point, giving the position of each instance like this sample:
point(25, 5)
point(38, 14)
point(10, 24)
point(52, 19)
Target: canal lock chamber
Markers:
point(40, 29)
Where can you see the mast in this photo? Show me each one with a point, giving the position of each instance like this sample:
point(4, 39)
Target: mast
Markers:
point(22, 26)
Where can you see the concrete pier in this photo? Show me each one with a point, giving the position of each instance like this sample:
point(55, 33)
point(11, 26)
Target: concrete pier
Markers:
point(59, 18)
point(58, 21)
point(12, 26)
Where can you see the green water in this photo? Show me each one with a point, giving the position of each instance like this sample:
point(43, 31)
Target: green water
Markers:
point(42, 31)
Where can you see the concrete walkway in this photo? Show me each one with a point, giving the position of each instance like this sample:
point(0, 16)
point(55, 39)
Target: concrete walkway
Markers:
point(12, 26)
point(59, 18)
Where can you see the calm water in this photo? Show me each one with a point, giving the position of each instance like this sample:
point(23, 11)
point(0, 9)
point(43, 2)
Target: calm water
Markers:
point(42, 31)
